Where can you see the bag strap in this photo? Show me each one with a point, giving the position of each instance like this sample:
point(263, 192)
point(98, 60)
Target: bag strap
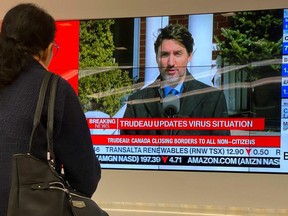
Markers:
point(40, 101)
point(50, 118)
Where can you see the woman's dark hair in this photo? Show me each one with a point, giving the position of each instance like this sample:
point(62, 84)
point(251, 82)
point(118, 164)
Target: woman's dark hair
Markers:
point(175, 32)
point(26, 30)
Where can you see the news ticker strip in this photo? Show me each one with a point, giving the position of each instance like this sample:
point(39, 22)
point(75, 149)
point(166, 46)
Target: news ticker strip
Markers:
point(177, 123)
point(284, 90)
point(204, 141)
point(219, 161)
point(187, 151)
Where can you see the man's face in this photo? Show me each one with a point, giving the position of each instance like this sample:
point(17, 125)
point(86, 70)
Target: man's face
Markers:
point(172, 59)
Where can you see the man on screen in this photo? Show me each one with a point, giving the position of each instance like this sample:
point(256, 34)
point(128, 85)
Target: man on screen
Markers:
point(175, 93)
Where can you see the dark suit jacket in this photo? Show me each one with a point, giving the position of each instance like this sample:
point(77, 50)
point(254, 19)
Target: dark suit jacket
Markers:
point(196, 101)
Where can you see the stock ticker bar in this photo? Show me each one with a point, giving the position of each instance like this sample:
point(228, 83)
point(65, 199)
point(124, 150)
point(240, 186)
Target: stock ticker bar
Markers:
point(190, 155)
point(221, 161)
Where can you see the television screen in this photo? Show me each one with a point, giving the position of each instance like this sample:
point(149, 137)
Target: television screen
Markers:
point(230, 113)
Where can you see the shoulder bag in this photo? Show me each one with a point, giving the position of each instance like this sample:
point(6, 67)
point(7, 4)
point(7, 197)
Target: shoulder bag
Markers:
point(36, 188)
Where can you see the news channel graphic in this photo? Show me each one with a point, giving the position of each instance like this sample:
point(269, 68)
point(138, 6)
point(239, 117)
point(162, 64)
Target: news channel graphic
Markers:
point(285, 34)
point(285, 44)
point(285, 19)
point(284, 128)
point(285, 65)
point(284, 116)
point(284, 91)
point(284, 102)
point(202, 153)
point(284, 111)
point(189, 153)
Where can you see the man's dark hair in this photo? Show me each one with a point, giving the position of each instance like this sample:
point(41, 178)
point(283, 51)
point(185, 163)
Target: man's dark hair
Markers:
point(175, 32)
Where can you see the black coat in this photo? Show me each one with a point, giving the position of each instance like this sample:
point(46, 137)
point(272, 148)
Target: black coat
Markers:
point(72, 140)
point(196, 101)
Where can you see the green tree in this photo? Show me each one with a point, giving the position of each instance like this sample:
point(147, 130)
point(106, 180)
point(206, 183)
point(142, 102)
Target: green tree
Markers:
point(102, 85)
point(252, 36)
point(254, 40)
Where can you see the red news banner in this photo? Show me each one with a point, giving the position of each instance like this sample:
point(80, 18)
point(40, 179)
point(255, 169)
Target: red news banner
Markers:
point(255, 124)
point(177, 123)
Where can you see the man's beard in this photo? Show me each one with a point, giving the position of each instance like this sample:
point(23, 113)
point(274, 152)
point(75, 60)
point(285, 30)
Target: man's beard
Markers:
point(171, 79)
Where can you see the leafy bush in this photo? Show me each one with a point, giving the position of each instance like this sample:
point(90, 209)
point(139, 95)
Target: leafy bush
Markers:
point(102, 85)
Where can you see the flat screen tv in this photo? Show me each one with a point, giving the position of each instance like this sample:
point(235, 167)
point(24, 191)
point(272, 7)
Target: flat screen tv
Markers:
point(243, 56)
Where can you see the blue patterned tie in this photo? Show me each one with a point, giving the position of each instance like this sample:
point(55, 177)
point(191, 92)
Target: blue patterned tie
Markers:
point(174, 92)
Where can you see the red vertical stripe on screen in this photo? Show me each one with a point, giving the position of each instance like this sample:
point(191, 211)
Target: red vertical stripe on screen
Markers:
point(66, 61)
